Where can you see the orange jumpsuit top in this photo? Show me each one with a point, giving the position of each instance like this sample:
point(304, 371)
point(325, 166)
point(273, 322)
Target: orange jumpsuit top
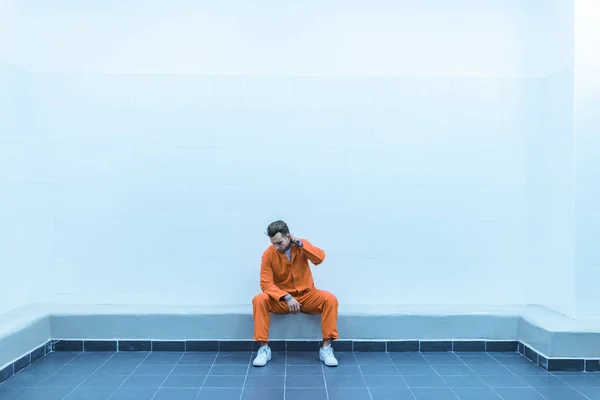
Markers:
point(280, 276)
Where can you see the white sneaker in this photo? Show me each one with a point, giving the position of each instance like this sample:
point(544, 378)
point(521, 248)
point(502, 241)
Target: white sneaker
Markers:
point(326, 355)
point(263, 356)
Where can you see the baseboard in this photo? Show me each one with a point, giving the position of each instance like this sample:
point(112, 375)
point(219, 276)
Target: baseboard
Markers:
point(23, 362)
point(286, 345)
point(389, 346)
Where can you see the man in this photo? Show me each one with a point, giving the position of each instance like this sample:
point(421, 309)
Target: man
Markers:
point(287, 287)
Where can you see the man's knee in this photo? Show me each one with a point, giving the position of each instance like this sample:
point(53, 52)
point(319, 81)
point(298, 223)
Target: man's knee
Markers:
point(331, 300)
point(259, 299)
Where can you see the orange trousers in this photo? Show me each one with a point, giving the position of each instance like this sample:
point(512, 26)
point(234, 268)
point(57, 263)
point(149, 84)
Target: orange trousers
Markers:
point(312, 302)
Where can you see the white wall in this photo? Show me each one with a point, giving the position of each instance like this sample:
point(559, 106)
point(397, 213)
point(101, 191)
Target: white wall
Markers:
point(25, 224)
point(587, 167)
point(403, 144)
point(467, 38)
point(550, 189)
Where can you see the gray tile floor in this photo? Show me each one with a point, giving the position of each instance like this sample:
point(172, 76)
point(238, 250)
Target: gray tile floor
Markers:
point(292, 376)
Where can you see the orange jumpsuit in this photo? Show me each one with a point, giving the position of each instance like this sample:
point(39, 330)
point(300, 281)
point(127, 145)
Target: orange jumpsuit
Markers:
point(280, 276)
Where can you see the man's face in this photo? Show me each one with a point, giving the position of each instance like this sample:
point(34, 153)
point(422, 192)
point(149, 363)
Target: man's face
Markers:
point(281, 242)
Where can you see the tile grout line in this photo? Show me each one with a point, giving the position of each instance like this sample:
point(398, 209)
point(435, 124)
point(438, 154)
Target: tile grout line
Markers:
point(569, 385)
point(285, 374)
point(517, 376)
point(363, 376)
point(324, 381)
point(52, 374)
point(168, 375)
point(128, 376)
point(401, 376)
point(246, 377)
point(207, 375)
point(438, 374)
point(487, 384)
point(101, 365)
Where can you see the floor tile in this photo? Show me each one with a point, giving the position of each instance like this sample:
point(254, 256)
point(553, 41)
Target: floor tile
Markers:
point(219, 394)
point(464, 382)
point(143, 381)
point(471, 361)
point(345, 381)
point(89, 393)
point(341, 370)
point(196, 359)
point(445, 361)
point(67, 381)
point(348, 394)
point(167, 359)
point(26, 379)
point(390, 393)
point(262, 393)
point(116, 369)
point(154, 369)
point(305, 394)
point(385, 381)
point(495, 381)
point(519, 394)
point(432, 381)
point(11, 393)
point(379, 370)
point(566, 393)
point(232, 359)
point(230, 370)
point(485, 370)
point(133, 394)
point(305, 381)
point(580, 381)
point(74, 369)
point(344, 358)
point(130, 355)
point(476, 394)
point(184, 382)
point(46, 393)
point(539, 381)
point(303, 358)
point(527, 370)
point(592, 393)
point(176, 394)
point(295, 370)
point(271, 369)
point(265, 381)
point(412, 361)
point(434, 394)
point(226, 381)
point(373, 359)
point(456, 370)
point(420, 370)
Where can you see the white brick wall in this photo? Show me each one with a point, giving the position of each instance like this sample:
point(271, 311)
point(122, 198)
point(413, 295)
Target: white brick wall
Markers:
point(587, 191)
point(433, 168)
point(25, 222)
point(587, 167)
point(429, 207)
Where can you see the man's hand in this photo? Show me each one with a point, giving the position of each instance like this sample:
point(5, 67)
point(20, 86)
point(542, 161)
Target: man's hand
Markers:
point(293, 305)
point(295, 240)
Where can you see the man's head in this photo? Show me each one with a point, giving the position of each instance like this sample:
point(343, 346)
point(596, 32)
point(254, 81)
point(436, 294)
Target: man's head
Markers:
point(278, 232)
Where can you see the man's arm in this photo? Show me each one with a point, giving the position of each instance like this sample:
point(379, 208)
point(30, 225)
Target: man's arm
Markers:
point(313, 253)
point(267, 284)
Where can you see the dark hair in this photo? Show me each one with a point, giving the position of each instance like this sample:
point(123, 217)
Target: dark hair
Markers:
point(277, 227)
